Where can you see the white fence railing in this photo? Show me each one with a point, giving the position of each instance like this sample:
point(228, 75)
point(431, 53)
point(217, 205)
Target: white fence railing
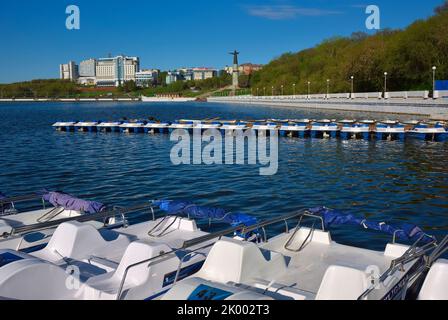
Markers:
point(393, 95)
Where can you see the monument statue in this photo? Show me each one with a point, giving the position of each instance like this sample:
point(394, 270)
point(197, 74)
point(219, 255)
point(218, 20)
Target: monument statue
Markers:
point(235, 71)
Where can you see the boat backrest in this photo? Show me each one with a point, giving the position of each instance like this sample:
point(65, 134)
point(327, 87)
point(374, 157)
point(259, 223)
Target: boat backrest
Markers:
point(237, 261)
point(436, 282)
point(342, 283)
point(75, 240)
point(139, 251)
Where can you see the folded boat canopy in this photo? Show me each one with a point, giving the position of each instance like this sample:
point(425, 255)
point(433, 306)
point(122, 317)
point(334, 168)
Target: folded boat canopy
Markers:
point(402, 231)
point(199, 212)
point(68, 202)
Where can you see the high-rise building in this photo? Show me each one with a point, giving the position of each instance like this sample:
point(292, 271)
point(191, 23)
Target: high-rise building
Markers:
point(87, 68)
point(68, 71)
point(115, 71)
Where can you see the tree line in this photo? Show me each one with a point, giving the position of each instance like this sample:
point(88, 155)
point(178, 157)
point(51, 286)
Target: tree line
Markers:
point(406, 55)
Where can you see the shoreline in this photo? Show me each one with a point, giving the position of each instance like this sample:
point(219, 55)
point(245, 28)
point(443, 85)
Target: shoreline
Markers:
point(72, 100)
point(433, 111)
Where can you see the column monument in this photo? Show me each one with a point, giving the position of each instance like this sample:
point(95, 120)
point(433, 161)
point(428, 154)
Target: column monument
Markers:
point(235, 71)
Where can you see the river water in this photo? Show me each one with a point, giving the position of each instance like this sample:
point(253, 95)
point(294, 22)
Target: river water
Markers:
point(381, 180)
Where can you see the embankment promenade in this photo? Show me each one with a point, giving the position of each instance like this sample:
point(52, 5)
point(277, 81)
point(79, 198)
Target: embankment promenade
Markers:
point(428, 108)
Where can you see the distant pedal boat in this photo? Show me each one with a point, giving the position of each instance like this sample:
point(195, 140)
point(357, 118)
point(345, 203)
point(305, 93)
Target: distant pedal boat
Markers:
point(156, 127)
point(65, 126)
point(204, 126)
point(295, 128)
point(431, 132)
point(181, 125)
point(352, 129)
point(390, 129)
point(87, 126)
point(324, 128)
point(132, 127)
point(109, 126)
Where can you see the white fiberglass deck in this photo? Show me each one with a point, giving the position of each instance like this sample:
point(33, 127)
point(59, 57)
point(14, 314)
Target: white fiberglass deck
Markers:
point(105, 260)
point(313, 267)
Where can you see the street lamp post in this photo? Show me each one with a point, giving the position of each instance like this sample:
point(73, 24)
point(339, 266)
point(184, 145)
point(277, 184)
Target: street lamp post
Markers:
point(385, 85)
point(272, 90)
point(257, 92)
point(353, 86)
point(282, 90)
point(328, 88)
point(434, 81)
point(294, 89)
point(264, 91)
point(309, 89)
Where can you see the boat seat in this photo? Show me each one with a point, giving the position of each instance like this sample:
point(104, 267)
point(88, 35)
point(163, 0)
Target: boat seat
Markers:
point(436, 282)
point(106, 286)
point(236, 261)
point(78, 241)
point(342, 283)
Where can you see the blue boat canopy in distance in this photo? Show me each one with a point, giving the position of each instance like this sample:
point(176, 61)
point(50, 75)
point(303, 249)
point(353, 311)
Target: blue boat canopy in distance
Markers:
point(441, 85)
point(68, 202)
point(403, 231)
point(199, 212)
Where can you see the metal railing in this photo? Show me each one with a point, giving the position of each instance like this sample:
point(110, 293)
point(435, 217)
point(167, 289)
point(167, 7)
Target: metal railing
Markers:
point(11, 201)
point(84, 218)
point(413, 253)
point(241, 229)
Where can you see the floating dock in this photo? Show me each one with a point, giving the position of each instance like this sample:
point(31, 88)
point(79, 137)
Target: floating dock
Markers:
point(303, 128)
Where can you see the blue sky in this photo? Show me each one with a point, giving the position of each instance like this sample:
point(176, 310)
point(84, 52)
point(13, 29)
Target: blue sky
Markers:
point(170, 34)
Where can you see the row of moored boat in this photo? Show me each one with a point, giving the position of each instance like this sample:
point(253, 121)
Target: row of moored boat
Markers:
point(344, 129)
point(82, 250)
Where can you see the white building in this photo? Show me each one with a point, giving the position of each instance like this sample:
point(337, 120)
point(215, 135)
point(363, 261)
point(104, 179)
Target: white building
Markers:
point(113, 72)
point(204, 73)
point(68, 71)
point(146, 78)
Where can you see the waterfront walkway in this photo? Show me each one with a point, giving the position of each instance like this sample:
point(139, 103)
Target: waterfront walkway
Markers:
point(428, 108)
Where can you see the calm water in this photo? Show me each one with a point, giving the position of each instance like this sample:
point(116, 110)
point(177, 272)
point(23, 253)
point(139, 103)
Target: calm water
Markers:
point(379, 179)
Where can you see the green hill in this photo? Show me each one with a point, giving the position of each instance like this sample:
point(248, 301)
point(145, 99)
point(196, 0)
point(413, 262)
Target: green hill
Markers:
point(407, 55)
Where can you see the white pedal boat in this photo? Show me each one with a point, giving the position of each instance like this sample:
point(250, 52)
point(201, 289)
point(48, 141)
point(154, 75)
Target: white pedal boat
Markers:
point(82, 263)
point(207, 126)
point(295, 129)
point(390, 129)
point(156, 127)
point(138, 262)
point(305, 264)
point(65, 126)
point(12, 222)
point(132, 127)
point(181, 125)
point(433, 132)
point(86, 126)
point(230, 126)
point(324, 128)
point(109, 126)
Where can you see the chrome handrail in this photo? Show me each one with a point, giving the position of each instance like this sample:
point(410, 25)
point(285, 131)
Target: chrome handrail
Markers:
point(200, 240)
point(52, 214)
point(413, 253)
point(84, 218)
point(17, 199)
